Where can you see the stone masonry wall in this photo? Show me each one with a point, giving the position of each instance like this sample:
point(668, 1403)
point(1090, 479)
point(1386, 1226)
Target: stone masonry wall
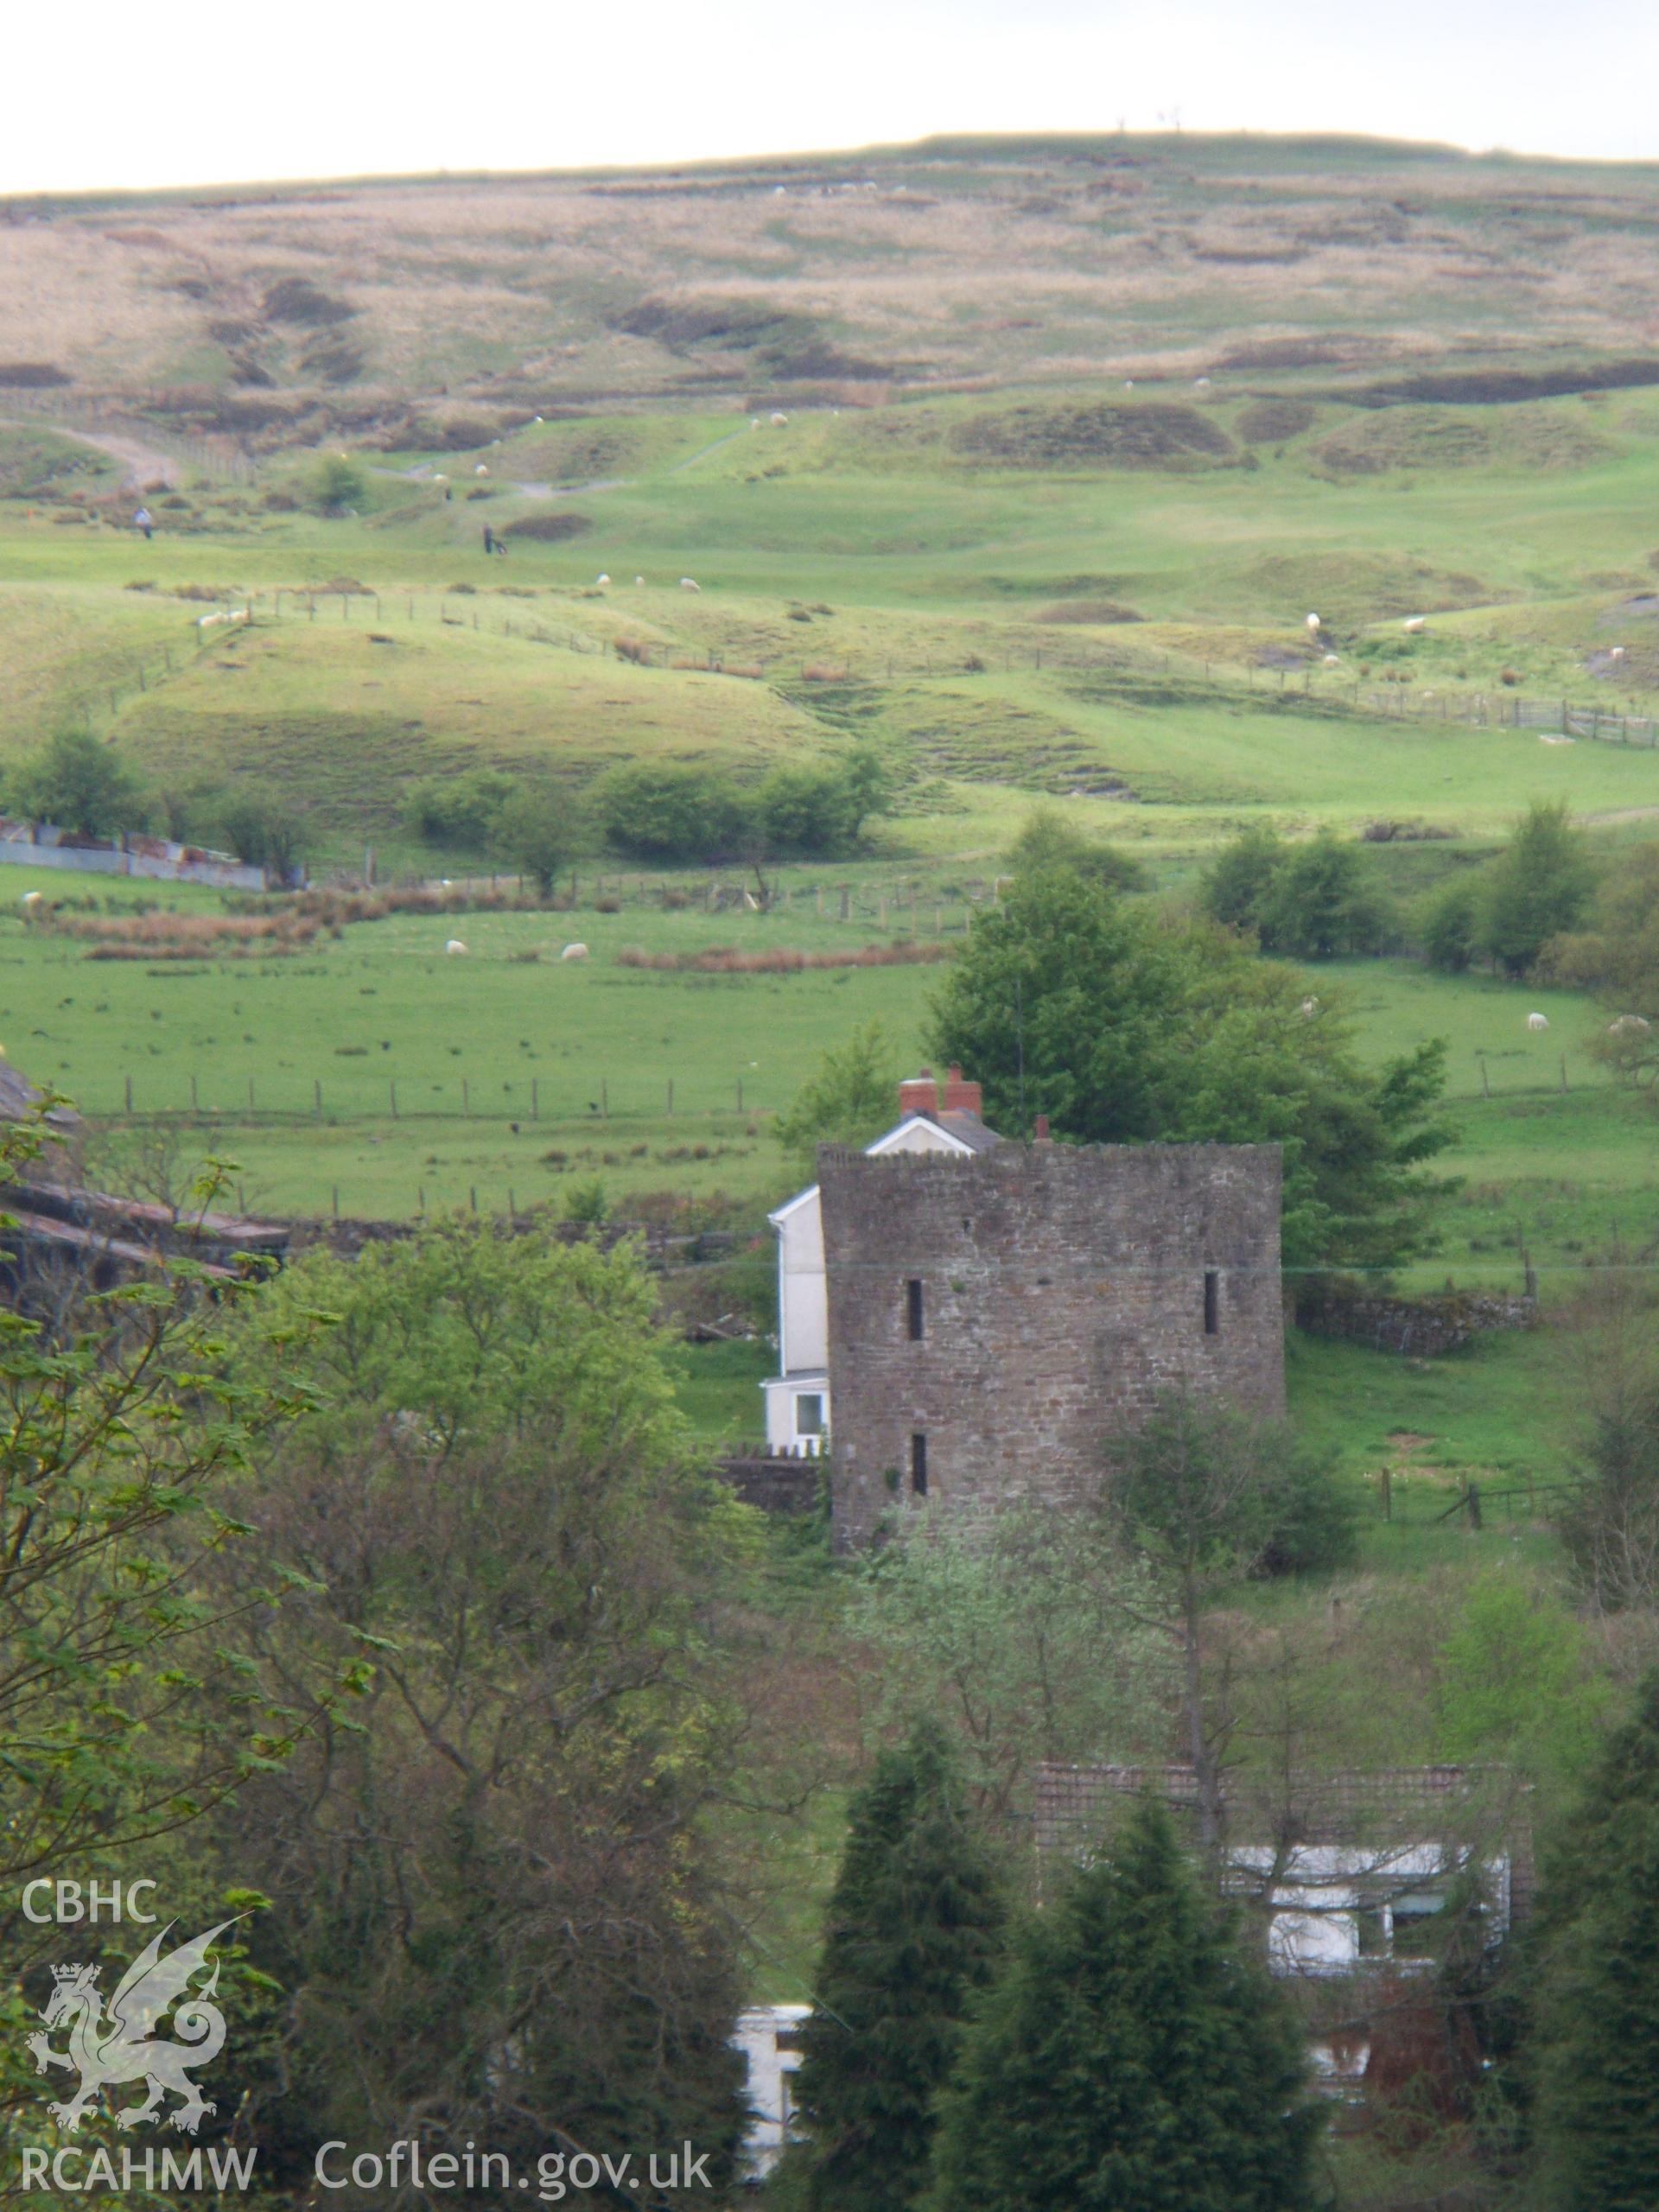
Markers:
point(1063, 1288)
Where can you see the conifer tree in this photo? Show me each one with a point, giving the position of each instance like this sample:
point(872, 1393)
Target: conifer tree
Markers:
point(913, 1927)
point(1596, 2053)
point(1131, 2058)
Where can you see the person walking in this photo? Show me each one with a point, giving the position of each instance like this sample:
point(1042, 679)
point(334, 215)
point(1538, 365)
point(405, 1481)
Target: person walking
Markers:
point(144, 520)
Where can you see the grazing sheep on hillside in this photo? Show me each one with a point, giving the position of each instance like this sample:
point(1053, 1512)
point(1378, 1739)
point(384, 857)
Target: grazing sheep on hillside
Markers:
point(31, 898)
point(638, 580)
point(1622, 1027)
point(480, 470)
point(1413, 623)
point(689, 583)
point(1332, 659)
point(1617, 653)
point(1313, 625)
point(454, 946)
point(603, 579)
point(573, 952)
point(1537, 1021)
point(778, 420)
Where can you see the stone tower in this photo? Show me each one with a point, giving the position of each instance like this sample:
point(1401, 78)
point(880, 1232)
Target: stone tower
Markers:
point(994, 1320)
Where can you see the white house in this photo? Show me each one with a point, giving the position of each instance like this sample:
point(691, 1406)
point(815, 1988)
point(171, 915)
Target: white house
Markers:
point(769, 2036)
point(797, 1396)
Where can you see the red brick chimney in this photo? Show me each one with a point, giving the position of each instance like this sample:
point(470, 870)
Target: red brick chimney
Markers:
point(1042, 1137)
point(960, 1097)
point(919, 1093)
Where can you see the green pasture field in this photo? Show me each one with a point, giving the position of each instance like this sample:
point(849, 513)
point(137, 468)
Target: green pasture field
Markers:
point(973, 604)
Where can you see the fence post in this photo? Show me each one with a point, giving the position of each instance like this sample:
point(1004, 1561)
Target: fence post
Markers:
point(250, 1094)
point(671, 1095)
point(604, 1099)
point(194, 1108)
point(129, 1094)
point(394, 1097)
point(466, 1100)
point(317, 1090)
point(535, 1099)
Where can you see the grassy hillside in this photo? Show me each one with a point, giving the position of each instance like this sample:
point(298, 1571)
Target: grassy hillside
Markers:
point(1344, 262)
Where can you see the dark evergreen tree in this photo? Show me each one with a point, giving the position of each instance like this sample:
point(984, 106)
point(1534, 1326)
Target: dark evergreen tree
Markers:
point(913, 1929)
point(1131, 2058)
point(1595, 2059)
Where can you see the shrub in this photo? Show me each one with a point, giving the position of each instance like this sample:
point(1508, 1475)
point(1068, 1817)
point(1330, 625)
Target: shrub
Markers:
point(336, 484)
point(664, 810)
point(457, 809)
point(78, 783)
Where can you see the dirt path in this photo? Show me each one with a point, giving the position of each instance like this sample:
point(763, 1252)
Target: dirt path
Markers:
point(144, 465)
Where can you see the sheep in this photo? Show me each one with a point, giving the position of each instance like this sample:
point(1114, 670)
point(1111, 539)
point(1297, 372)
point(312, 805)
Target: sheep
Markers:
point(31, 898)
point(601, 580)
point(1625, 1023)
point(778, 420)
point(689, 583)
point(1200, 384)
point(1310, 1008)
point(480, 470)
point(1537, 1022)
point(1413, 623)
point(1313, 626)
point(454, 946)
point(638, 580)
point(1617, 653)
point(573, 952)
point(1332, 659)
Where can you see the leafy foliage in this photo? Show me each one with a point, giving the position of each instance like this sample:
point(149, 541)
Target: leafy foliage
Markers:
point(1311, 901)
point(1130, 2054)
point(1596, 2053)
point(501, 1906)
point(1124, 1028)
point(1034, 1650)
point(1539, 889)
point(538, 832)
point(337, 483)
point(1046, 839)
point(80, 783)
point(851, 1098)
point(458, 810)
point(912, 1928)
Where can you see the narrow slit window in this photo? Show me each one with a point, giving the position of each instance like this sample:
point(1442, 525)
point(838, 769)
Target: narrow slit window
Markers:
point(919, 1465)
point(913, 1309)
point(1211, 1301)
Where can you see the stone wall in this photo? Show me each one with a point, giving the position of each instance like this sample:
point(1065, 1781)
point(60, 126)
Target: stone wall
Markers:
point(1422, 1328)
point(1062, 1288)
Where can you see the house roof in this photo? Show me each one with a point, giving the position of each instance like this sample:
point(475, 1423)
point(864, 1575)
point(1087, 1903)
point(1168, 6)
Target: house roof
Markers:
point(966, 1133)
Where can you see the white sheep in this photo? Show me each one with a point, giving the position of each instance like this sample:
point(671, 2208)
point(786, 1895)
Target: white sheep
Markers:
point(1617, 653)
point(31, 898)
point(1537, 1021)
point(603, 580)
point(1413, 623)
point(454, 946)
point(480, 470)
point(573, 952)
point(1626, 1022)
point(778, 420)
point(1332, 659)
point(1200, 384)
point(638, 580)
point(689, 583)
point(1313, 626)
point(1310, 1008)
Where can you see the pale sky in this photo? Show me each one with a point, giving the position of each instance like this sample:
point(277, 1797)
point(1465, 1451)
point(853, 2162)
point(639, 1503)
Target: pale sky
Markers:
point(112, 92)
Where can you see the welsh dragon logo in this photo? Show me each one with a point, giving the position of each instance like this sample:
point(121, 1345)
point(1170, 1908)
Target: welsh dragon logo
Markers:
point(106, 2048)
